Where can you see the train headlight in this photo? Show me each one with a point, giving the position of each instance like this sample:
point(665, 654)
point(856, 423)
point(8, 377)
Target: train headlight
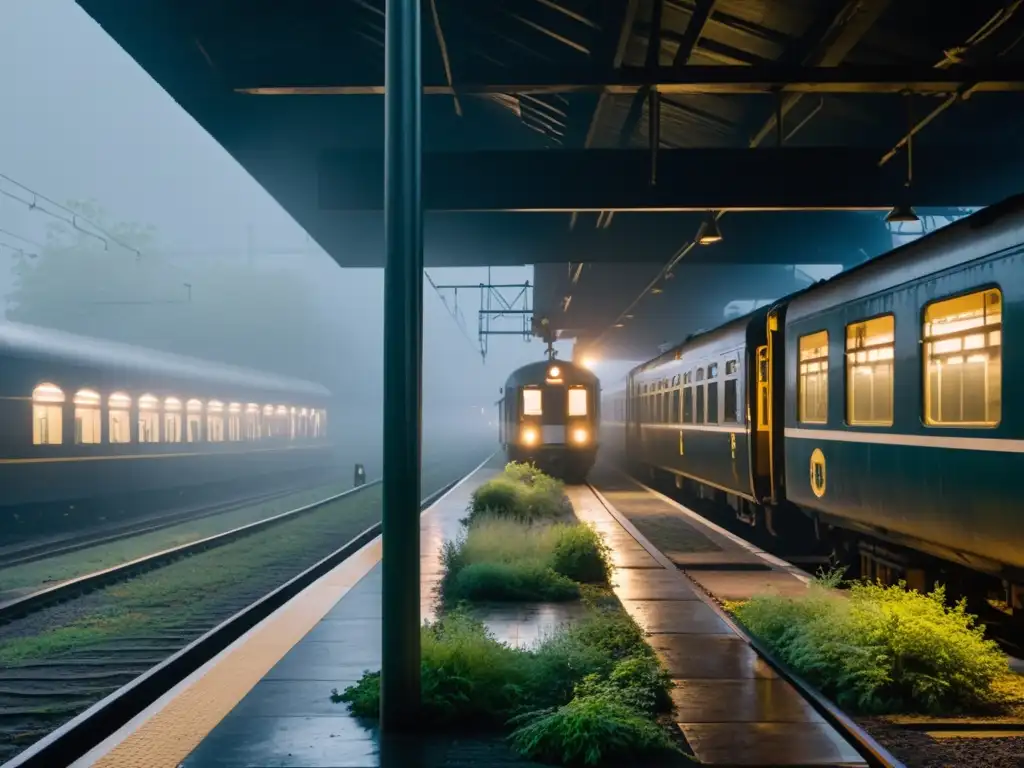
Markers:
point(580, 436)
point(529, 436)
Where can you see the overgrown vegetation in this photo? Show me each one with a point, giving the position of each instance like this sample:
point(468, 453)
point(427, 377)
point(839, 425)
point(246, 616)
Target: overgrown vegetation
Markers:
point(880, 649)
point(583, 696)
point(586, 695)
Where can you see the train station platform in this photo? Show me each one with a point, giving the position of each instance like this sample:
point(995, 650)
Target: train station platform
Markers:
point(265, 700)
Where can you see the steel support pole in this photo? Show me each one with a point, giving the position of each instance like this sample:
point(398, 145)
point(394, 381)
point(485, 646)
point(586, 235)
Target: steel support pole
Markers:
point(403, 345)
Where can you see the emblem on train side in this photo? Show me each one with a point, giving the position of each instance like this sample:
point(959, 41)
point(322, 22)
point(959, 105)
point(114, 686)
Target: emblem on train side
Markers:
point(818, 473)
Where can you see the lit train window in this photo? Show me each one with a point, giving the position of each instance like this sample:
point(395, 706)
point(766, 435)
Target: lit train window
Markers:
point(47, 415)
point(577, 401)
point(293, 424)
point(194, 421)
point(314, 419)
point(532, 403)
point(712, 370)
point(268, 421)
point(730, 367)
point(88, 419)
point(149, 419)
point(215, 421)
point(869, 371)
point(119, 418)
point(172, 420)
point(252, 422)
point(281, 421)
point(812, 383)
point(234, 422)
point(963, 341)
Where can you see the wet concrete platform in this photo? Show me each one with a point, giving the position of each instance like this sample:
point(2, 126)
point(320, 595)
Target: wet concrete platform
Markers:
point(266, 700)
point(731, 707)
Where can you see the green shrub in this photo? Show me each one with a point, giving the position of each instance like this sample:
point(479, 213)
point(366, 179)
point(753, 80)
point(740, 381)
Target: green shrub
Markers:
point(468, 679)
point(580, 553)
point(589, 730)
point(521, 492)
point(500, 559)
point(881, 649)
point(640, 682)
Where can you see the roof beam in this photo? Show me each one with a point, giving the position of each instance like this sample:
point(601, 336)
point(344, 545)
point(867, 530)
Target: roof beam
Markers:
point(694, 79)
point(805, 178)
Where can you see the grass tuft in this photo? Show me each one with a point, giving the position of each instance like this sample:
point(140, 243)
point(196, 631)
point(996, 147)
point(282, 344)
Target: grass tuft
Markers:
point(499, 559)
point(881, 649)
point(589, 730)
point(522, 493)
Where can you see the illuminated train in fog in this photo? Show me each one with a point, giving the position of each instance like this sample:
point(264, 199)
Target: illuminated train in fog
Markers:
point(866, 410)
point(84, 418)
point(549, 414)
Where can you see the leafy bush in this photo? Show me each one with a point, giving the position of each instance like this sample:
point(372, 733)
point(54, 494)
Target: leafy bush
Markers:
point(589, 730)
point(500, 559)
point(521, 492)
point(881, 649)
point(468, 679)
point(580, 553)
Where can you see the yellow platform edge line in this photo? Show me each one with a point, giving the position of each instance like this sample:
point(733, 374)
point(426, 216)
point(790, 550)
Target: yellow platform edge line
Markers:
point(172, 733)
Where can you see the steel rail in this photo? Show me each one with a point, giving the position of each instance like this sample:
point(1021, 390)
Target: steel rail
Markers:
point(90, 728)
point(23, 606)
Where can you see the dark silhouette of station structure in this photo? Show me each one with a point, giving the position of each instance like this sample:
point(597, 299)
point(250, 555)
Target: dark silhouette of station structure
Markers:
point(638, 132)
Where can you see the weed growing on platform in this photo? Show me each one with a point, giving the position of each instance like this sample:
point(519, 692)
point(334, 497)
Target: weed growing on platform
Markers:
point(522, 492)
point(500, 559)
point(591, 690)
point(882, 649)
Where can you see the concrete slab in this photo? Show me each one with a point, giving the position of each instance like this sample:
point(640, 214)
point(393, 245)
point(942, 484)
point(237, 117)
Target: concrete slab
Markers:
point(709, 657)
point(676, 616)
point(768, 744)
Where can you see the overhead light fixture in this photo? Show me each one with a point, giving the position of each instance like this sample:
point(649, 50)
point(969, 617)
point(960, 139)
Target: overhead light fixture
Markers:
point(657, 290)
point(709, 232)
point(902, 213)
point(618, 325)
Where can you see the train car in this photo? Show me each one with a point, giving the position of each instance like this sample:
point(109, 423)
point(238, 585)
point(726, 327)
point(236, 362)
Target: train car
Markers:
point(614, 405)
point(694, 411)
point(85, 419)
point(904, 456)
point(549, 414)
point(907, 440)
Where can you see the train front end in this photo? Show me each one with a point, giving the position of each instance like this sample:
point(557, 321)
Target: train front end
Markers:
point(550, 416)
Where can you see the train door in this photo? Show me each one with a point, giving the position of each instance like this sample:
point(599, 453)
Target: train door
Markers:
point(776, 391)
point(762, 422)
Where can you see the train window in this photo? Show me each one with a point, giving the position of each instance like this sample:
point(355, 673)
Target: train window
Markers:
point(88, 419)
point(193, 421)
point(47, 415)
point(712, 370)
point(268, 420)
point(700, 374)
point(731, 367)
point(963, 339)
point(731, 413)
point(577, 401)
point(149, 419)
point(119, 418)
point(812, 384)
point(675, 407)
point(281, 421)
point(869, 371)
point(172, 420)
point(215, 421)
point(252, 422)
point(235, 422)
point(303, 422)
point(315, 423)
point(699, 411)
point(687, 405)
point(688, 377)
point(712, 402)
point(532, 403)
point(762, 389)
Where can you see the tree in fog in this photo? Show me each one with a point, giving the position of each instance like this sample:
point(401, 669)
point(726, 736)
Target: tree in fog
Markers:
point(213, 308)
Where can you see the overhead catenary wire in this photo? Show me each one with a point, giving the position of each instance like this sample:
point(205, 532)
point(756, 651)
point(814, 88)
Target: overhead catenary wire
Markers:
point(76, 219)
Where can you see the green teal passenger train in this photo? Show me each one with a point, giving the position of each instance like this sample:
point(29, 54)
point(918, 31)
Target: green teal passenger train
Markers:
point(866, 410)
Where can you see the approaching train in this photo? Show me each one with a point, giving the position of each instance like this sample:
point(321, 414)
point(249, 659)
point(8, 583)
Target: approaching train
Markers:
point(866, 410)
point(84, 419)
point(549, 414)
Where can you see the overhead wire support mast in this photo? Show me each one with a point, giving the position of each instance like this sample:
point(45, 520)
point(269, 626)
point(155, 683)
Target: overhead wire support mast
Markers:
point(495, 305)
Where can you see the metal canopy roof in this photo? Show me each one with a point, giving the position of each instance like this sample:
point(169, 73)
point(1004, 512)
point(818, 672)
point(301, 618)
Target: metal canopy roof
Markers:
point(569, 85)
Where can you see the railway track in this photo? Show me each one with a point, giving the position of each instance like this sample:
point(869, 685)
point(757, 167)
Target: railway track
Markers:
point(34, 551)
point(138, 637)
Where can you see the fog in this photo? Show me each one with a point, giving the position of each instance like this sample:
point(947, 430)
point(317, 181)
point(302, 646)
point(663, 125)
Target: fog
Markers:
point(120, 218)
